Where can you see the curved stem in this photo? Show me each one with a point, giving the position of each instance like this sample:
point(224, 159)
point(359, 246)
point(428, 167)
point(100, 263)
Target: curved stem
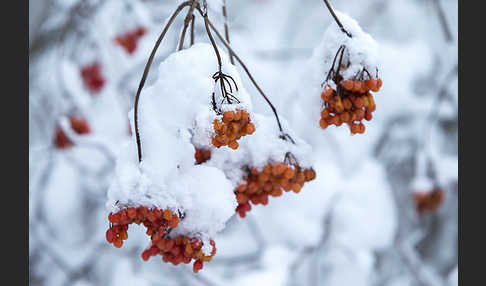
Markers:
point(336, 19)
point(146, 70)
point(442, 18)
point(187, 20)
point(213, 43)
point(247, 72)
point(192, 29)
point(226, 30)
point(434, 113)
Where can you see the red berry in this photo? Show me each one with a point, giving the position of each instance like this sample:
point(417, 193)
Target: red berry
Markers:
point(198, 265)
point(92, 77)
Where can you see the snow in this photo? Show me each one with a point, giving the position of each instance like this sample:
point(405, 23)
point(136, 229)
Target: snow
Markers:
point(361, 50)
point(357, 198)
point(174, 115)
point(262, 147)
point(174, 108)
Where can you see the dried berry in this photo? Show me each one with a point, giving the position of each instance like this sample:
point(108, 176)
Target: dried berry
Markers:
point(92, 77)
point(130, 39)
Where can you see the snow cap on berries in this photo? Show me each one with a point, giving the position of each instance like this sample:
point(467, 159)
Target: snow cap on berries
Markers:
point(361, 49)
point(262, 147)
point(167, 176)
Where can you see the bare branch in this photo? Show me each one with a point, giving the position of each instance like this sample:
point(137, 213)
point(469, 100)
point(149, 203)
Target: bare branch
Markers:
point(443, 21)
point(147, 69)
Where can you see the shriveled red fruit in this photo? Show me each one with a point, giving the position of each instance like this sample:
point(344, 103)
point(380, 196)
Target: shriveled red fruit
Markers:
point(202, 155)
point(79, 125)
point(428, 202)
point(129, 40)
point(92, 78)
point(198, 265)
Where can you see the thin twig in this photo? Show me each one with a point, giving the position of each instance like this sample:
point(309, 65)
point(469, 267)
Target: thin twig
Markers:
point(443, 21)
point(220, 37)
point(211, 39)
point(147, 69)
point(187, 20)
point(192, 29)
point(226, 30)
point(434, 114)
point(336, 19)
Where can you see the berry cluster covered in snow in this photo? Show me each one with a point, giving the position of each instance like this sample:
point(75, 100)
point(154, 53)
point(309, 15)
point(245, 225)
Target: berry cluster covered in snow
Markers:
point(191, 163)
point(349, 74)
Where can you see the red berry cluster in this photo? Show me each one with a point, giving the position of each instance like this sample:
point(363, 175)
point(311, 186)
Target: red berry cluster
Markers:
point(353, 103)
point(202, 155)
point(155, 220)
point(428, 201)
point(158, 223)
point(92, 77)
point(270, 182)
point(235, 124)
point(181, 249)
point(129, 40)
point(79, 125)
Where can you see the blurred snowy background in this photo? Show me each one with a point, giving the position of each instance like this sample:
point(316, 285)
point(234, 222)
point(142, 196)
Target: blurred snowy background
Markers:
point(358, 223)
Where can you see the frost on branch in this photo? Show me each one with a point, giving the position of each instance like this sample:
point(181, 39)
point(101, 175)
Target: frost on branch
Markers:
point(349, 66)
point(175, 114)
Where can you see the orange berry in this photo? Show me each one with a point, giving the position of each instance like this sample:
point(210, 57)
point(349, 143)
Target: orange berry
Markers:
point(167, 215)
point(145, 255)
point(363, 89)
point(188, 248)
point(345, 117)
point(347, 104)
point(379, 83)
point(110, 235)
point(368, 115)
point(296, 188)
point(371, 84)
point(362, 128)
point(132, 213)
point(124, 235)
point(233, 145)
point(228, 116)
point(241, 198)
point(338, 120)
point(327, 93)
point(360, 114)
point(325, 113)
point(289, 173)
point(347, 84)
point(218, 125)
point(279, 169)
point(371, 102)
point(237, 115)
point(339, 105)
point(118, 243)
point(357, 86)
point(354, 128)
point(174, 221)
point(309, 174)
point(358, 102)
point(333, 120)
point(323, 123)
